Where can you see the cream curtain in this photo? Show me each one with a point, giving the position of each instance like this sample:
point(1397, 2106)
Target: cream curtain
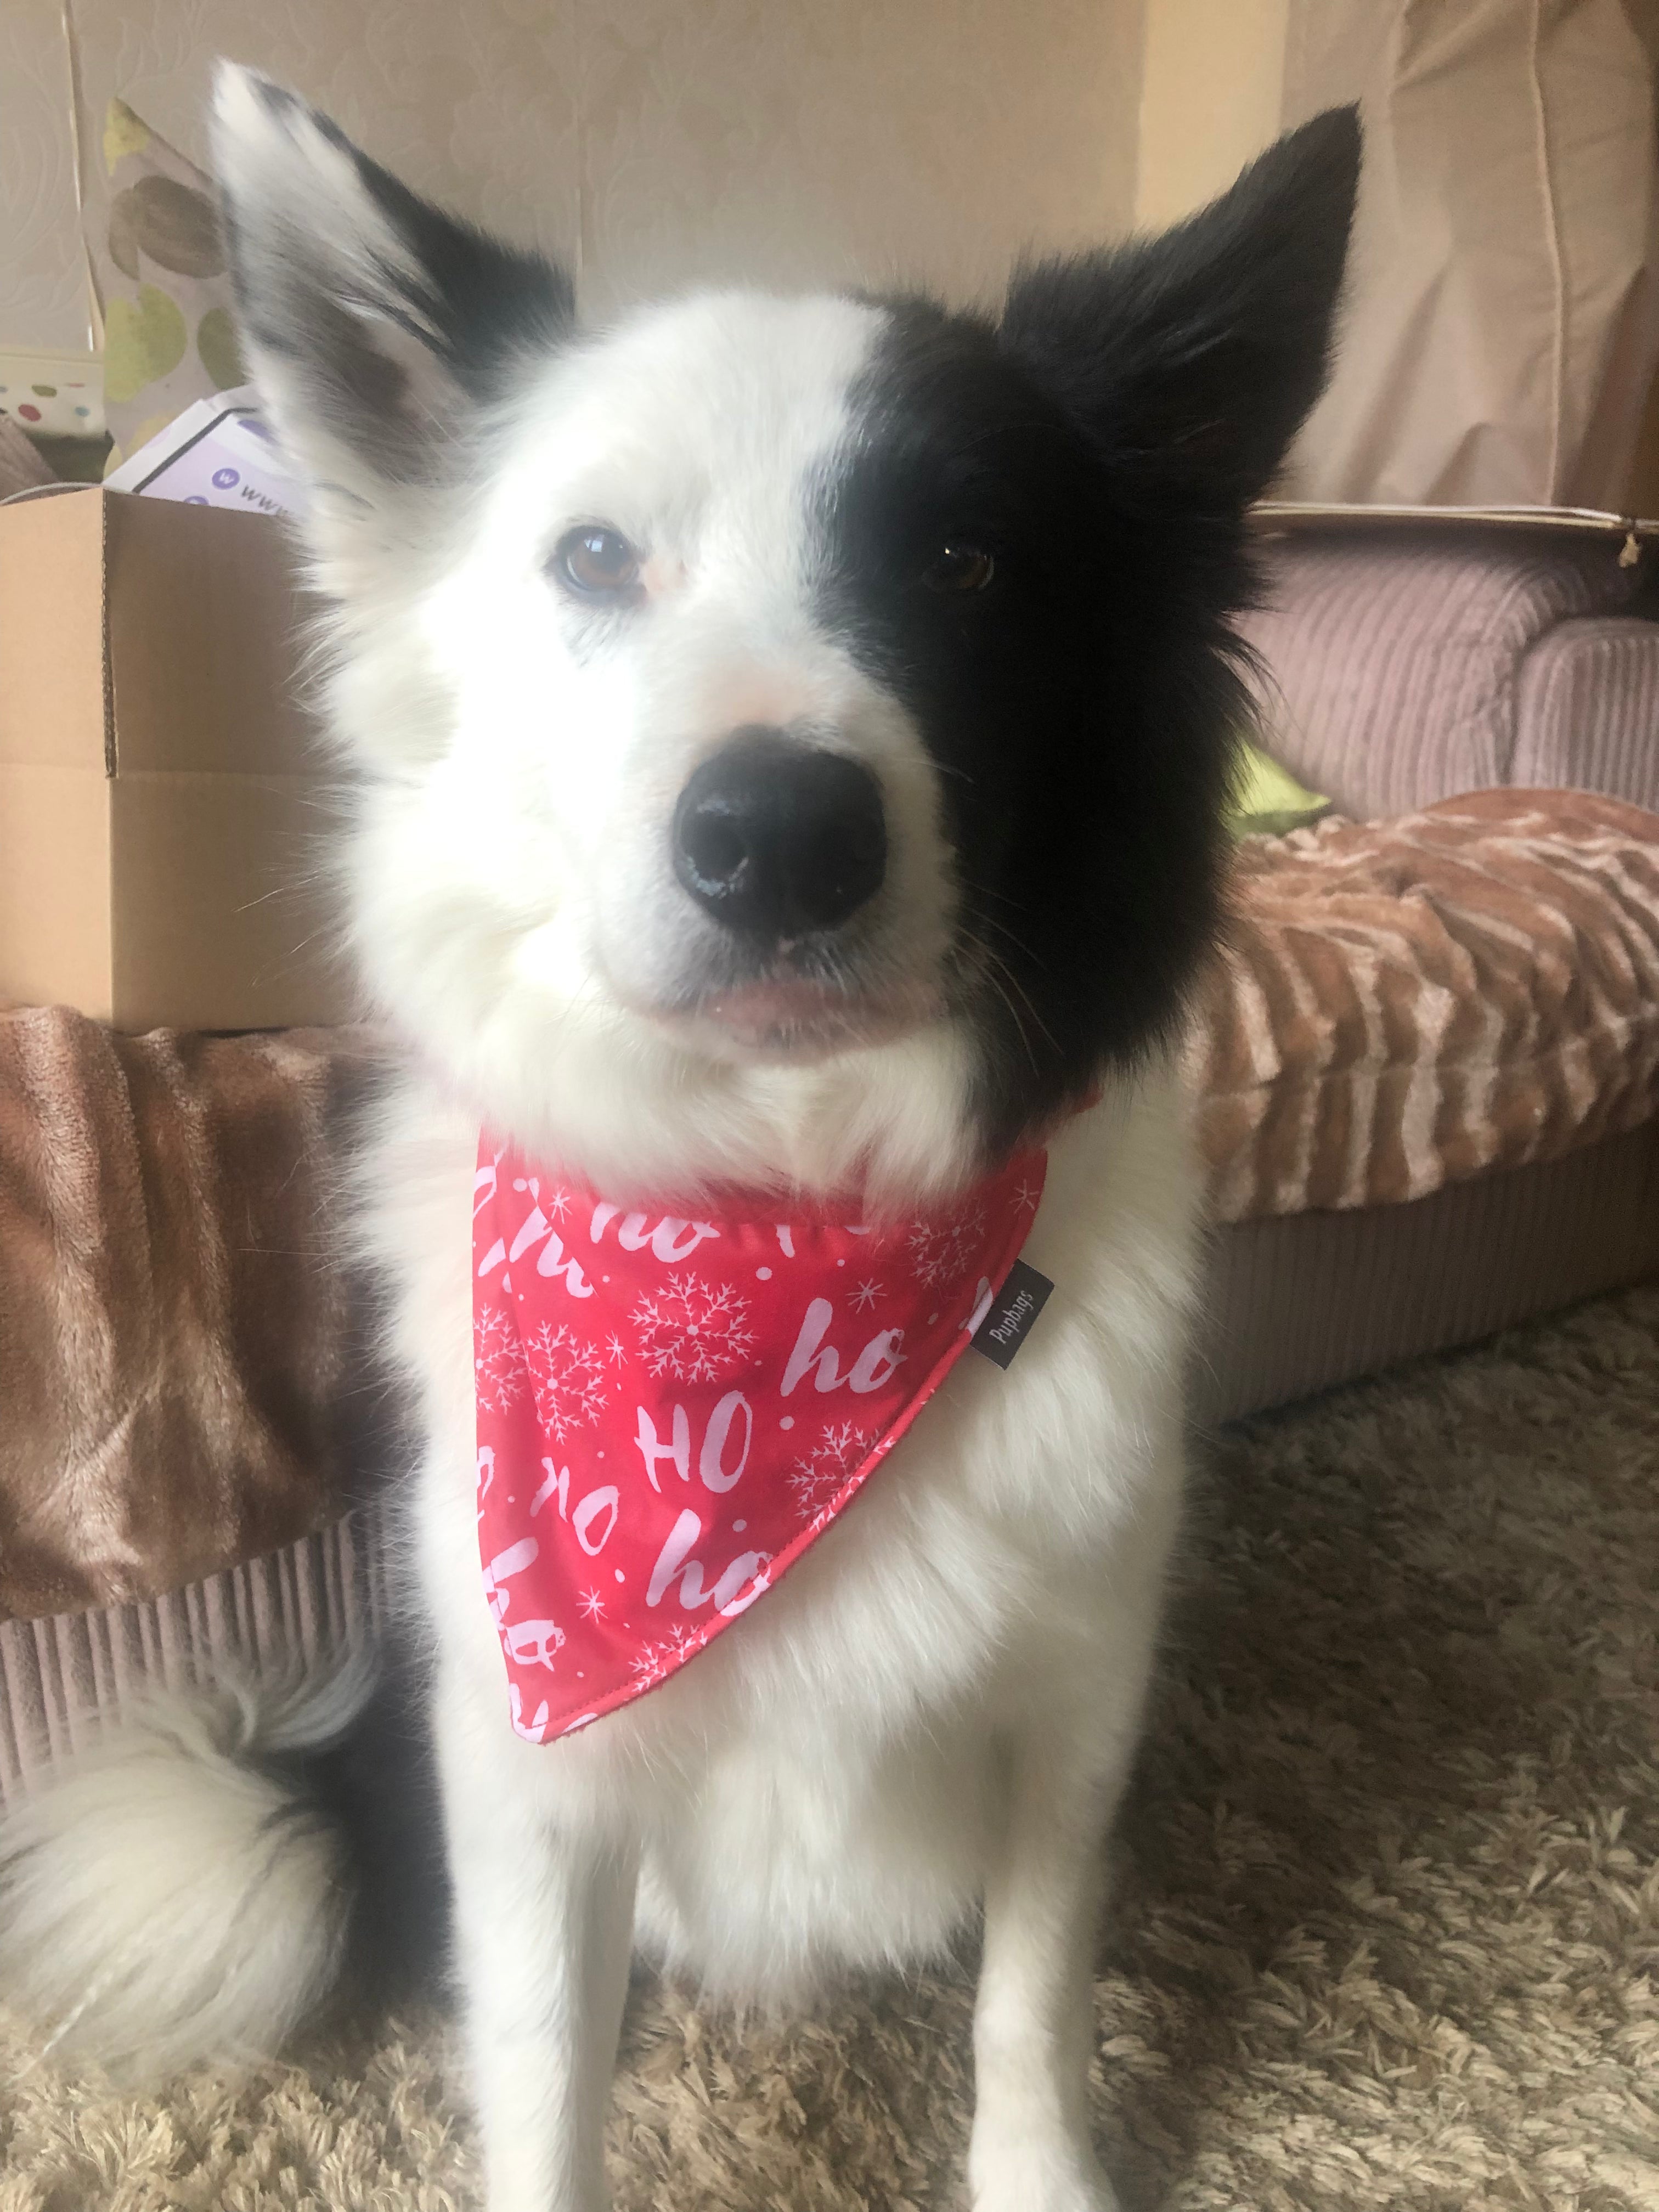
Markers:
point(1502, 329)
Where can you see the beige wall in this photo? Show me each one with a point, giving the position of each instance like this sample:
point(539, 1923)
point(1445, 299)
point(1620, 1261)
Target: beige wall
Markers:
point(43, 288)
point(1212, 91)
point(657, 141)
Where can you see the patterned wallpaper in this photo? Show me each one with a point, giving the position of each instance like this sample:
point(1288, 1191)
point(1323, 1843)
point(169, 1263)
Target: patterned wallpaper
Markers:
point(653, 143)
point(43, 289)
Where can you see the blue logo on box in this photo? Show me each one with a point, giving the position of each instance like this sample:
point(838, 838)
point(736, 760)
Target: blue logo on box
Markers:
point(225, 478)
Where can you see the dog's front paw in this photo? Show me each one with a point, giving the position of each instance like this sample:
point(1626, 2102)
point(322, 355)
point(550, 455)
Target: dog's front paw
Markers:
point(1018, 2170)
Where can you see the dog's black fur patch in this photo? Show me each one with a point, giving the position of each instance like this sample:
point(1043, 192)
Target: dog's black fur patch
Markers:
point(1102, 443)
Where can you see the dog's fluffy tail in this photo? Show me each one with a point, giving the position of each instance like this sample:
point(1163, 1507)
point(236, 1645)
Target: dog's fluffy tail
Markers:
point(185, 1891)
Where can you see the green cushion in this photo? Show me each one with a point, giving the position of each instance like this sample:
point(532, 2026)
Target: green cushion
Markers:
point(1266, 799)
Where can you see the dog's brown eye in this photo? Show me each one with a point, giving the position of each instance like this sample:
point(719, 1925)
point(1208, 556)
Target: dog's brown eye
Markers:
point(960, 568)
point(597, 561)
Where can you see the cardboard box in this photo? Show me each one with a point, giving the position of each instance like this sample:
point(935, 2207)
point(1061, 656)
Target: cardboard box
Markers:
point(161, 800)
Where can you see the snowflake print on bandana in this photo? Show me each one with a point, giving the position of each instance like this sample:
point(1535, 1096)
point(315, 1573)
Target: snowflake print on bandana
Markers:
point(670, 1410)
point(942, 1252)
point(652, 1662)
point(818, 1473)
point(500, 1376)
point(694, 1330)
point(567, 1376)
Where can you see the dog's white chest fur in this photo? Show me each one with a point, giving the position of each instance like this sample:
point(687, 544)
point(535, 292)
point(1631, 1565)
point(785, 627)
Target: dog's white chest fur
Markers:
point(818, 1788)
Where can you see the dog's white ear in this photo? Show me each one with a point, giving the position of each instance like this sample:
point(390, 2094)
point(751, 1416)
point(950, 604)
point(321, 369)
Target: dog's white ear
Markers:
point(375, 327)
point(1192, 358)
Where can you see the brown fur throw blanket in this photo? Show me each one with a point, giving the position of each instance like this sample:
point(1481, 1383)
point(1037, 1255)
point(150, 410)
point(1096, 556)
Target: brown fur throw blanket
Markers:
point(181, 1378)
point(1403, 1005)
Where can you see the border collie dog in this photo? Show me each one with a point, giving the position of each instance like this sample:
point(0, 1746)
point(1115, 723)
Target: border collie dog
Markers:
point(788, 738)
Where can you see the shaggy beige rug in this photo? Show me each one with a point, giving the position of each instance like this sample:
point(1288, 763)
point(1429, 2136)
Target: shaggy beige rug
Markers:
point(1388, 1920)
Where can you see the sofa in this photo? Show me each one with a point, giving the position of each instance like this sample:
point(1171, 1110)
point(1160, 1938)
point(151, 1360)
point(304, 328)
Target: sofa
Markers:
point(1403, 666)
point(1425, 1066)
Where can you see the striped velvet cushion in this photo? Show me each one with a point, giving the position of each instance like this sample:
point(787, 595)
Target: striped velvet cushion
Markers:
point(1403, 1005)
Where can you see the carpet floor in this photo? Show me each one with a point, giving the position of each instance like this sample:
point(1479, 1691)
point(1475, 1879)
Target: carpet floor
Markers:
point(1387, 1920)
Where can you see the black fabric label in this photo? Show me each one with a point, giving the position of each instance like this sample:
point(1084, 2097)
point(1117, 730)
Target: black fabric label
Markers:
point(1014, 1309)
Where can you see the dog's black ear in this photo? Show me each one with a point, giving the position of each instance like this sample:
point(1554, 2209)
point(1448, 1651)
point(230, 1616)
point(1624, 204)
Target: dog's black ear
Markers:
point(375, 326)
point(1192, 358)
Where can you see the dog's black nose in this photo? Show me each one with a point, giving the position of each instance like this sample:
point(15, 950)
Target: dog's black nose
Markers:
point(774, 838)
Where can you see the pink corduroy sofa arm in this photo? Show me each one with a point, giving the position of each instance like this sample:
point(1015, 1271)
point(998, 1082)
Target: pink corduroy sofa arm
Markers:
point(1587, 709)
point(1405, 668)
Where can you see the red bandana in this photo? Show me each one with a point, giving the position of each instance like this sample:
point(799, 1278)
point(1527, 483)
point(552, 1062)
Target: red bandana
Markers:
point(670, 1411)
